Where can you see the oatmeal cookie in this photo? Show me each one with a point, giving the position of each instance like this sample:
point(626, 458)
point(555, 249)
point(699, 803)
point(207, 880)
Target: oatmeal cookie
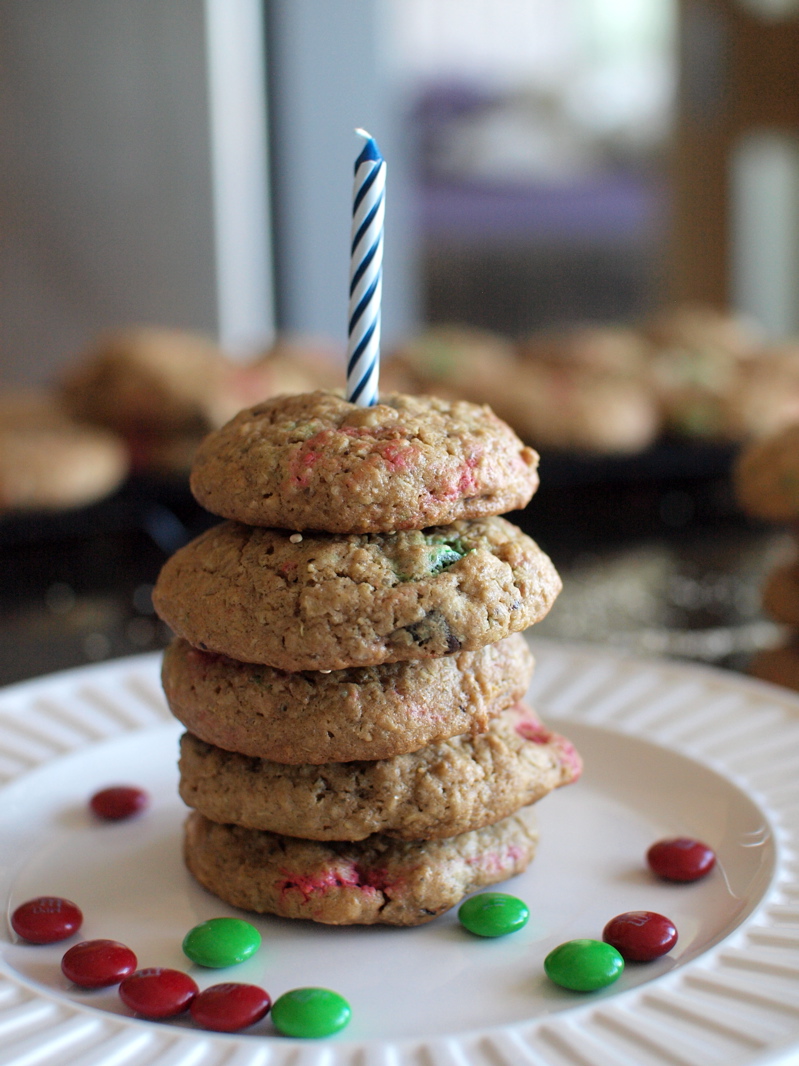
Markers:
point(315, 461)
point(48, 461)
point(573, 408)
point(780, 665)
point(441, 790)
point(781, 594)
point(370, 712)
point(147, 380)
point(326, 602)
point(766, 476)
point(378, 880)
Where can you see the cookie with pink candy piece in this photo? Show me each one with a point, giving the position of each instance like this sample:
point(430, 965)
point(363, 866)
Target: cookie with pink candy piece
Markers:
point(377, 880)
point(315, 461)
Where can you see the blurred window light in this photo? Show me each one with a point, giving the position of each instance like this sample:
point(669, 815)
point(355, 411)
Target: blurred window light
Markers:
point(541, 82)
point(764, 177)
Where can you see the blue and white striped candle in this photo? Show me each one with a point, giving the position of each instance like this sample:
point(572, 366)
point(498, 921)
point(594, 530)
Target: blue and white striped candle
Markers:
point(366, 274)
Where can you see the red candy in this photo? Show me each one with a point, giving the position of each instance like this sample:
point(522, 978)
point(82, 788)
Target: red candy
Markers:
point(118, 802)
point(46, 919)
point(640, 936)
point(158, 992)
point(98, 963)
point(229, 1007)
point(680, 859)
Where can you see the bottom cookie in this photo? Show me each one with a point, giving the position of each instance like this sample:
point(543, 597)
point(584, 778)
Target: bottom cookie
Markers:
point(377, 880)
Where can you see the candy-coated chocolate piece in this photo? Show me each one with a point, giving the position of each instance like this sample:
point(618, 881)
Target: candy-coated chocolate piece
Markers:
point(310, 1012)
point(229, 1007)
point(681, 859)
point(158, 992)
point(221, 942)
point(98, 963)
point(118, 802)
point(46, 919)
point(493, 914)
point(583, 965)
point(640, 936)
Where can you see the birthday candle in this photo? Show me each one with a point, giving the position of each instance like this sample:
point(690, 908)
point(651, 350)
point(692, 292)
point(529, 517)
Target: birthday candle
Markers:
point(366, 274)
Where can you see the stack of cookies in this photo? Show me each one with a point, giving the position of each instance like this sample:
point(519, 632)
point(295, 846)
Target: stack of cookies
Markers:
point(349, 663)
point(767, 487)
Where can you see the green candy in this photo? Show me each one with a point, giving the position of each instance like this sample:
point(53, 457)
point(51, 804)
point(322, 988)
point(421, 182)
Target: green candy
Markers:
point(442, 556)
point(221, 942)
point(493, 914)
point(583, 965)
point(310, 1012)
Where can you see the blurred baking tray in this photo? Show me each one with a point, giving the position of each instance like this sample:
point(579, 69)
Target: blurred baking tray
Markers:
point(161, 507)
point(666, 460)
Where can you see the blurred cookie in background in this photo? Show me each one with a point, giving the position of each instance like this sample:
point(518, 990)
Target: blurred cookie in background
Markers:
point(164, 389)
point(296, 363)
point(611, 349)
point(569, 408)
point(766, 476)
point(579, 389)
point(764, 398)
point(698, 357)
point(50, 462)
point(453, 362)
point(584, 388)
point(780, 665)
point(144, 380)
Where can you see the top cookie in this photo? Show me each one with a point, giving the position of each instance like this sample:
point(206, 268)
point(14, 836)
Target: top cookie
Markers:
point(315, 461)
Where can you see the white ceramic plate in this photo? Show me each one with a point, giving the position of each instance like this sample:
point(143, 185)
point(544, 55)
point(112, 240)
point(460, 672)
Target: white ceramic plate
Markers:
point(669, 749)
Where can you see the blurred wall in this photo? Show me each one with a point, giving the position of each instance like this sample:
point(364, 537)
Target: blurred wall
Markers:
point(327, 64)
point(105, 186)
point(116, 148)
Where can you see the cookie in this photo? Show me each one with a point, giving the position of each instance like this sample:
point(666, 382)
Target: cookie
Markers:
point(371, 712)
point(325, 602)
point(146, 380)
point(781, 594)
point(721, 334)
point(49, 462)
point(616, 350)
point(765, 398)
point(450, 360)
point(315, 461)
point(378, 880)
point(297, 364)
point(766, 476)
point(441, 790)
point(700, 355)
point(570, 408)
point(780, 666)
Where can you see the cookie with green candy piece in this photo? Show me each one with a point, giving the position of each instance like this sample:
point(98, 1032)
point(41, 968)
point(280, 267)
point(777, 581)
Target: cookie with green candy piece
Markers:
point(325, 602)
